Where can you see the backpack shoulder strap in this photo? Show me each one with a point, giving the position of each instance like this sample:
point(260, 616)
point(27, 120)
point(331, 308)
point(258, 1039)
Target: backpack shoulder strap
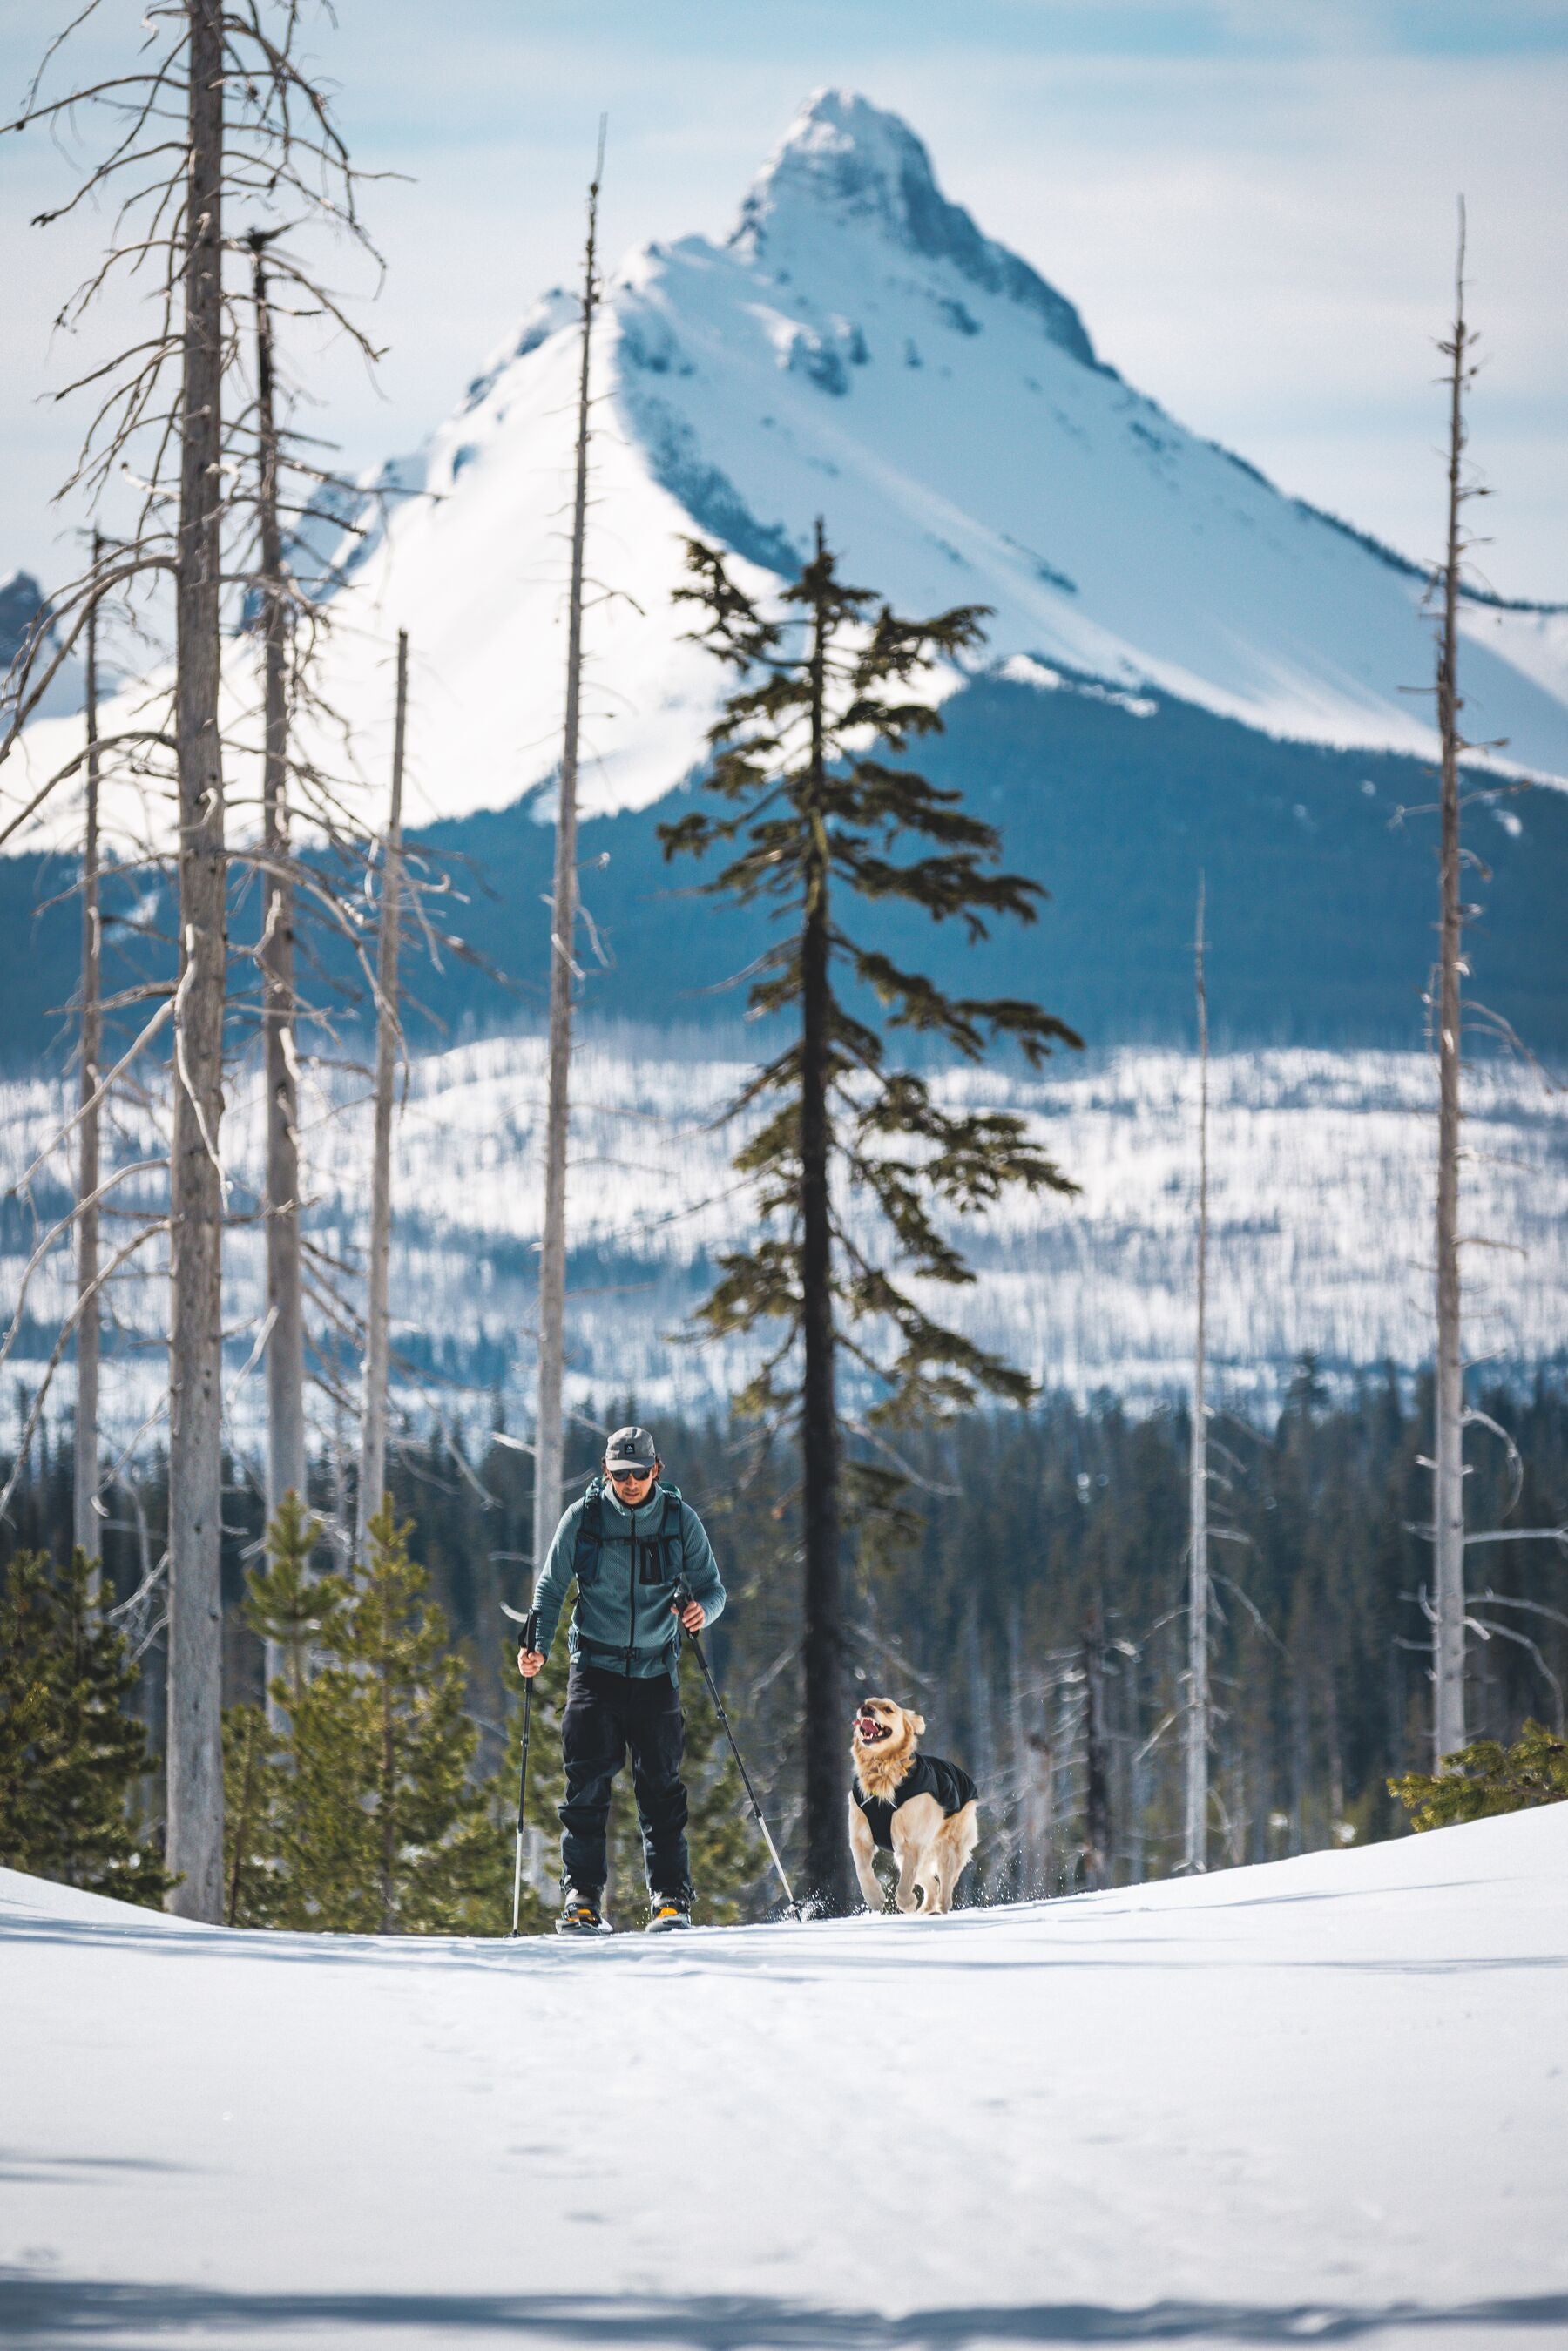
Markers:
point(672, 1544)
point(589, 1535)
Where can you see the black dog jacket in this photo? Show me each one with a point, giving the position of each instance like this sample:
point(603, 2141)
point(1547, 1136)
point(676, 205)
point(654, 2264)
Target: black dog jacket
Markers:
point(928, 1775)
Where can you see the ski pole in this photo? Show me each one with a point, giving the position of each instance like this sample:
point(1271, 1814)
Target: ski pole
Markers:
point(683, 1600)
point(530, 1625)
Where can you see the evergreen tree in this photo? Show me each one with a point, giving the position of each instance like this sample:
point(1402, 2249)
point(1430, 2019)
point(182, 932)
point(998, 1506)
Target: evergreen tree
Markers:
point(291, 1611)
point(1486, 1778)
point(71, 1757)
point(256, 1785)
point(286, 1604)
point(383, 1829)
point(816, 815)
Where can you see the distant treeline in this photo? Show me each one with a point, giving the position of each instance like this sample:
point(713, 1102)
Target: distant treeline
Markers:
point(1043, 1595)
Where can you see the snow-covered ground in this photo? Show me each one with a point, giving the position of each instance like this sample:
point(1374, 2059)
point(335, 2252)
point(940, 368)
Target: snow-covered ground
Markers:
point(856, 349)
point(1322, 1174)
point(1321, 2099)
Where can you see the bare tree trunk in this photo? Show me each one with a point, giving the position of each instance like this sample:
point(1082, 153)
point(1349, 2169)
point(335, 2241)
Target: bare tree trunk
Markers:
point(1335, 1759)
point(548, 1436)
point(822, 1644)
point(1196, 1854)
point(1449, 1498)
point(389, 1807)
point(1139, 1776)
point(373, 1425)
point(1097, 1758)
point(196, 1779)
point(85, 1523)
point(983, 1882)
point(1039, 1820)
point(1017, 1747)
point(286, 1471)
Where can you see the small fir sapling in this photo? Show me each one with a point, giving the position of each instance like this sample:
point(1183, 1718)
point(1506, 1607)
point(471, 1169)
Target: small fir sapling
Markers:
point(72, 1759)
point(1486, 1778)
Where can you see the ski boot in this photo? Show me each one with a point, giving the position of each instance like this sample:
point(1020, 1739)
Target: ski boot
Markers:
point(580, 1916)
point(668, 1914)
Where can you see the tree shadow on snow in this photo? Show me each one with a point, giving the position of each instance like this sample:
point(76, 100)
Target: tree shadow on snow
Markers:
point(43, 2311)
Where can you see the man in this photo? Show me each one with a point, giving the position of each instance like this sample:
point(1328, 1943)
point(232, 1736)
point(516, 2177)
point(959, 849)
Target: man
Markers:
point(628, 1543)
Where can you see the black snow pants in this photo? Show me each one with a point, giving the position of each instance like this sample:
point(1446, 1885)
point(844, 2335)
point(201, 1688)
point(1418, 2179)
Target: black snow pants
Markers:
point(606, 1715)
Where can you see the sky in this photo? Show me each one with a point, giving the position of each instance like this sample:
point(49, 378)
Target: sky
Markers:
point(1252, 202)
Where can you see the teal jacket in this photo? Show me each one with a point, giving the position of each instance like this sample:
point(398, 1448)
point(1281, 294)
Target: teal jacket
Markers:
point(623, 1618)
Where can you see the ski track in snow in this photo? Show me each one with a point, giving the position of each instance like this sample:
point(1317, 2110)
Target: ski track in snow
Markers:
point(1322, 1175)
point(1317, 2098)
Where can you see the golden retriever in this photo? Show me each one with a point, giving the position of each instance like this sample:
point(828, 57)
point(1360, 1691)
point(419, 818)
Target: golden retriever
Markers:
point(923, 1811)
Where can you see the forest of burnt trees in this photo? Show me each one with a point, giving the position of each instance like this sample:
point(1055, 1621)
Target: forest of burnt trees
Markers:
point(1046, 1583)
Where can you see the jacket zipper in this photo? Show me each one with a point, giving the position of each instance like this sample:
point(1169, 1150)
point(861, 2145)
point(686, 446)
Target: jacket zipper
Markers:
point(631, 1593)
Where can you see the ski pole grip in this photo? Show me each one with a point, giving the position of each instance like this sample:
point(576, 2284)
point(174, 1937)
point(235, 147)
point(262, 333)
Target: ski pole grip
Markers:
point(530, 1635)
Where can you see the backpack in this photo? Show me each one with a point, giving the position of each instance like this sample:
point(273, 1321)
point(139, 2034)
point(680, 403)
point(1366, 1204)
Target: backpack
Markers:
point(658, 1558)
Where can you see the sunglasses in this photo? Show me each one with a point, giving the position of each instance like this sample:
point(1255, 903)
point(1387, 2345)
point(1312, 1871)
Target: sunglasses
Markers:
point(631, 1476)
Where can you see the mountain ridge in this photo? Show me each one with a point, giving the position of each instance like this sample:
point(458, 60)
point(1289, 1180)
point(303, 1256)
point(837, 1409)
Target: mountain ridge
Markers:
point(858, 347)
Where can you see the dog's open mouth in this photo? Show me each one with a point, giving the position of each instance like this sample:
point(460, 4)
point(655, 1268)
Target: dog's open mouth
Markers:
point(869, 1728)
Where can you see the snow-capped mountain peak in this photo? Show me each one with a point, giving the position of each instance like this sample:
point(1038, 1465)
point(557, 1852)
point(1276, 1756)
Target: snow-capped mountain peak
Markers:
point(845, 161)
point(859, 349)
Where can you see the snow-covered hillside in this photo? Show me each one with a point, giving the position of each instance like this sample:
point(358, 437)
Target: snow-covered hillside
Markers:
point(1318, 2099)
point(1320, 1205)
point(859, 349)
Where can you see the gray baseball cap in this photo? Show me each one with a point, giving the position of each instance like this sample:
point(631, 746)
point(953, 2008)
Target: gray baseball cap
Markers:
point(631, 1449)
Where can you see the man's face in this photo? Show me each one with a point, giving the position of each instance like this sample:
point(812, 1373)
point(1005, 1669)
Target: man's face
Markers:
point(633, 1487)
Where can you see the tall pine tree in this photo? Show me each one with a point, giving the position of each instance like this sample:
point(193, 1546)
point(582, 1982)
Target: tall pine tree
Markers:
point(829, 694)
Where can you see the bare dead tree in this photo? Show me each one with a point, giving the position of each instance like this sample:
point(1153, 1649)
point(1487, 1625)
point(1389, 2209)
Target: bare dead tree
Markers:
point(217, 110)
point(286, 1467)
point(1448, 1470)
point(1196, 1845)
point(195, 1796)
point(1096, 1856)
point(84, 1517)
point(1037, 1827)
point(549, 1454)
point(373, 1424)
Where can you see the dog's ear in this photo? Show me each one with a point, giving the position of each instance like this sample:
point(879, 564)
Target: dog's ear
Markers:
point(916, 1721)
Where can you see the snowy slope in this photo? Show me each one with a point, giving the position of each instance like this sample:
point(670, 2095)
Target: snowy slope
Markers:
point(1319, 2098)
point(859, 349)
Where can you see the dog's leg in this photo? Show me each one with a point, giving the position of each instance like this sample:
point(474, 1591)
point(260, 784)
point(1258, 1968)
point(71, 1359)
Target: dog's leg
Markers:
point(906, 1853)
point(961, 1835)
point(930, 1877)
point(863, 1850)
point(916, 1828)
point(948, 1867)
